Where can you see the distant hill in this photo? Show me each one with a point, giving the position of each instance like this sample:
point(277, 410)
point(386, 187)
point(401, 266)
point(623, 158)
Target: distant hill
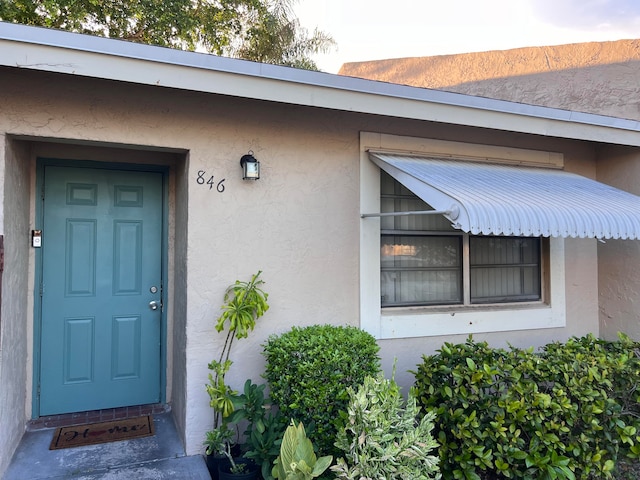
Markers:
point(595, 77)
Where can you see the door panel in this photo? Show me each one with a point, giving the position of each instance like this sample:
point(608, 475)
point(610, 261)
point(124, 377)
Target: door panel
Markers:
point(101, 256)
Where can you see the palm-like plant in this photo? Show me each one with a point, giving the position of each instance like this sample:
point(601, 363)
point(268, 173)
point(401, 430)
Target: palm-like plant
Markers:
point(244, 303)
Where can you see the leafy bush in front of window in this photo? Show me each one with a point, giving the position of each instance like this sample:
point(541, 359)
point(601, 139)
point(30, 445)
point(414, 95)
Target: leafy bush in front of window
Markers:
point(309, 371)
point(568, 412)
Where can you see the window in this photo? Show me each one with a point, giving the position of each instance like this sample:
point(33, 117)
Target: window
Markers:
point(424, 261)
point(504, 269)
point(420, 277)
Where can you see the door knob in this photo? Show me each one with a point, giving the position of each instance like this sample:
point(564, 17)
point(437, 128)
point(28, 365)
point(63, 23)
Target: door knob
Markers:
point(153, 305)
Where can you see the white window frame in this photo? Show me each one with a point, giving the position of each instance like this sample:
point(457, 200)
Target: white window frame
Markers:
point(404, 322)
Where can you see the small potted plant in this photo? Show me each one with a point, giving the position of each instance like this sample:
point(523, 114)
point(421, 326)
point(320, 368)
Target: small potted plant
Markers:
point(244, 303)
point(219, 441)
point(264, 427)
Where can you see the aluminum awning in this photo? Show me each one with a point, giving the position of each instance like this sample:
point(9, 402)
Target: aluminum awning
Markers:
point(495, 199)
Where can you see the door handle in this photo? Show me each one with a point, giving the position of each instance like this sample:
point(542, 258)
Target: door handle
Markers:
point(153, 305)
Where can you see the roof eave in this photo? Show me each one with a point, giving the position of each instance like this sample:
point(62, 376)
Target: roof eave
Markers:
point(63, 52)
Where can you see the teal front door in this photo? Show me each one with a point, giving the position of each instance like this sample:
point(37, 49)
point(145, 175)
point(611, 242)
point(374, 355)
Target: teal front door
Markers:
point(101, 311)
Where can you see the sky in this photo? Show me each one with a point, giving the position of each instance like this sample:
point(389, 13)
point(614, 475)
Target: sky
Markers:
point(377, 29)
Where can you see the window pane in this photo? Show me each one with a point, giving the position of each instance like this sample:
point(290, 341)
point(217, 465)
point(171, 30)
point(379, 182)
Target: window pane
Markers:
point(421, 263)
point(504, 269)
point(396, 198)
point(420, 270)
point(389, 186)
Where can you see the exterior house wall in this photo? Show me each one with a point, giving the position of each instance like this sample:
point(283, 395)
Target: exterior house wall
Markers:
point(179, 236)
point(619, 275)
point(299, 223)
point(595, 77)
point(14, 357)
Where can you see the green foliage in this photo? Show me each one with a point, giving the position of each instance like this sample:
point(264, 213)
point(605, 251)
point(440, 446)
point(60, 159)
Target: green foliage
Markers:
point(264, 426)
point(219, 442)
point(309, 371)
point(244, 303)
point(383, 437)
point(175, 23)
point(297, 459)
point(262, 435)
point(567, 412)
point(277, 37)
point(262, 30)
point(220, 394)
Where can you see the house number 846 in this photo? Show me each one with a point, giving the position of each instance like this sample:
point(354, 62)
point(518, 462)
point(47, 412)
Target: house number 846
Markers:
point(211, 182)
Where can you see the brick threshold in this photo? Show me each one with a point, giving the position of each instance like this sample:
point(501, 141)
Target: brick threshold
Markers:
point(95, 416)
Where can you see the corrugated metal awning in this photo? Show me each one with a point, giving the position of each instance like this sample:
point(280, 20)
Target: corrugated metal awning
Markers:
point(495, 199)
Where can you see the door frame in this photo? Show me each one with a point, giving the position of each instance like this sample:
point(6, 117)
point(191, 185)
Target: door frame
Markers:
point(41, 163)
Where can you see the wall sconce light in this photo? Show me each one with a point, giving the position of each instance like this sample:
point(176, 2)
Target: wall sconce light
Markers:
point(250, 167)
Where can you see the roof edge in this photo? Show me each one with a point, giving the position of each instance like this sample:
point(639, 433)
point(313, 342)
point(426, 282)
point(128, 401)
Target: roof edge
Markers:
point(212, 64)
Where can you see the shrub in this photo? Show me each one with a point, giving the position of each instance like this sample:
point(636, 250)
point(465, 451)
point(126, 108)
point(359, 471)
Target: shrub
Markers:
point(516, 414)
point(383, 437)
point(614, 368)
point(309, 370)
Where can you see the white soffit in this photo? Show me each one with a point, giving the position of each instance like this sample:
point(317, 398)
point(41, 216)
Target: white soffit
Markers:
point(494, 199)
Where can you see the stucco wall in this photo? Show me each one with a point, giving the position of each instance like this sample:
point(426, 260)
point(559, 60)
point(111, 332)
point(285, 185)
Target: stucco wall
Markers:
point(619, 272)
point(177, 395)
point(14, 358)
point(299, 223)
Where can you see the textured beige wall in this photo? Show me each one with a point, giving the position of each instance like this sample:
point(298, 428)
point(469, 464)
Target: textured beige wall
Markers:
point(299, 223)
point(618, 260)
point(14, 360)
point(178, 307)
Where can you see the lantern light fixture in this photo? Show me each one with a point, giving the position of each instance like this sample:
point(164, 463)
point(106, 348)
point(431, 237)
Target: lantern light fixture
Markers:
point(250, 167)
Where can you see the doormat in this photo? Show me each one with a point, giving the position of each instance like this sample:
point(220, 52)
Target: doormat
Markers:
point(103, 432)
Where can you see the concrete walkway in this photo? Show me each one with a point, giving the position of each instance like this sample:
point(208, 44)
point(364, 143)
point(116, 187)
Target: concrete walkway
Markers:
point(160, 457)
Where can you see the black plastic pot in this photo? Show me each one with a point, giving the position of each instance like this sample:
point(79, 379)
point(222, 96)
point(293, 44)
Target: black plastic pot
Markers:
point(250, 471)
point(213, 464)
point(213, 461)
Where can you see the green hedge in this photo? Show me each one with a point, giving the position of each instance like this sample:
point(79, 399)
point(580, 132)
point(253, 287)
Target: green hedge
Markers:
point(569, 411)
point(309, 370)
